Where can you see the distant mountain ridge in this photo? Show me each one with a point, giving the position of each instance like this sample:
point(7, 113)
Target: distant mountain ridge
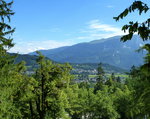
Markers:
point(110, 51)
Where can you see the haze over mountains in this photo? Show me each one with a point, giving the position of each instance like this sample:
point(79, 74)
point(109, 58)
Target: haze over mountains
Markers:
point(110, 51)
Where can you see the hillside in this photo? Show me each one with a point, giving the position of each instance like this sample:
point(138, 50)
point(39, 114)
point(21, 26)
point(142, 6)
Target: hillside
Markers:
point(91, 68)
point(110, 51)
point(29, 59)
point(77, 68)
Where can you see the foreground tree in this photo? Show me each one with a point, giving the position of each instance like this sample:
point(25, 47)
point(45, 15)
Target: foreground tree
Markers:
point(8, 74)
point(143, 30)
point(50, 97)
point(141, 80)
point(5, 29)
point(5, 32)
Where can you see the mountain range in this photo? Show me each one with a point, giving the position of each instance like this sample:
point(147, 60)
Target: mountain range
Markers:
point(110, 50)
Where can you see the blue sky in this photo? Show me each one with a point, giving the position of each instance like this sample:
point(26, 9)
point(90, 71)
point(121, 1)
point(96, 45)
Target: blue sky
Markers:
point(47, 24)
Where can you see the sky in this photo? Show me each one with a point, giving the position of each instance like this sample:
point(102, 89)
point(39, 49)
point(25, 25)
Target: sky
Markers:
point(47, 24)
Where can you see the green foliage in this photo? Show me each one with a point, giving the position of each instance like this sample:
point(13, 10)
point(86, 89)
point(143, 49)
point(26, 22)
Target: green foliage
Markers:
point(9, 76)
point(48, 93)
point(139, 77)
point(100, 79)
point(5, 29)
point(51, 80)
point(103, 105)
point(100, 73)
point(15, 89)
point(141, 28)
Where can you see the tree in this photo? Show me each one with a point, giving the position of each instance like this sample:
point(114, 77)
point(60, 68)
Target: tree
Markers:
point(5, 29)
point(8, 71)
point(118, 79)
point(103, 107)
point(140, 84)
point(100, 78)
point(124, 102)
point(143, 30)
point(50, 96)
point(100, 73)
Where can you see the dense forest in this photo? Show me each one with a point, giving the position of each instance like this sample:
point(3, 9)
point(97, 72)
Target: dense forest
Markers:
point(51, 93)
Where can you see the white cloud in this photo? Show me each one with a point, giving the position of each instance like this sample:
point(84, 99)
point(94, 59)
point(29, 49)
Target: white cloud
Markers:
point(26, 47)
point(109, 6)
point(96, 25)
point(93, 30)
point(96, 30)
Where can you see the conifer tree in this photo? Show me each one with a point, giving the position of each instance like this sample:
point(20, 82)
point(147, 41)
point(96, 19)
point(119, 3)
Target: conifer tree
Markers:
point(100, 78)
point(5, 29)
point(100, 73)
point(50, 95)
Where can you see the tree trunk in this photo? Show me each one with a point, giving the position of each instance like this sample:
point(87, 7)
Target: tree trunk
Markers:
point(31, 109)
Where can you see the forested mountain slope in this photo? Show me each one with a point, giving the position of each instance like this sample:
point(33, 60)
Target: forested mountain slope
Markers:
point(110, 51)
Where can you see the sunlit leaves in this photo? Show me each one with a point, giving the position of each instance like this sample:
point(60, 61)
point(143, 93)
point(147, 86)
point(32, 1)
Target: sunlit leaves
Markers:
point(142, 74)
point(137, 5)
point(141, 28)
point(51, 80)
